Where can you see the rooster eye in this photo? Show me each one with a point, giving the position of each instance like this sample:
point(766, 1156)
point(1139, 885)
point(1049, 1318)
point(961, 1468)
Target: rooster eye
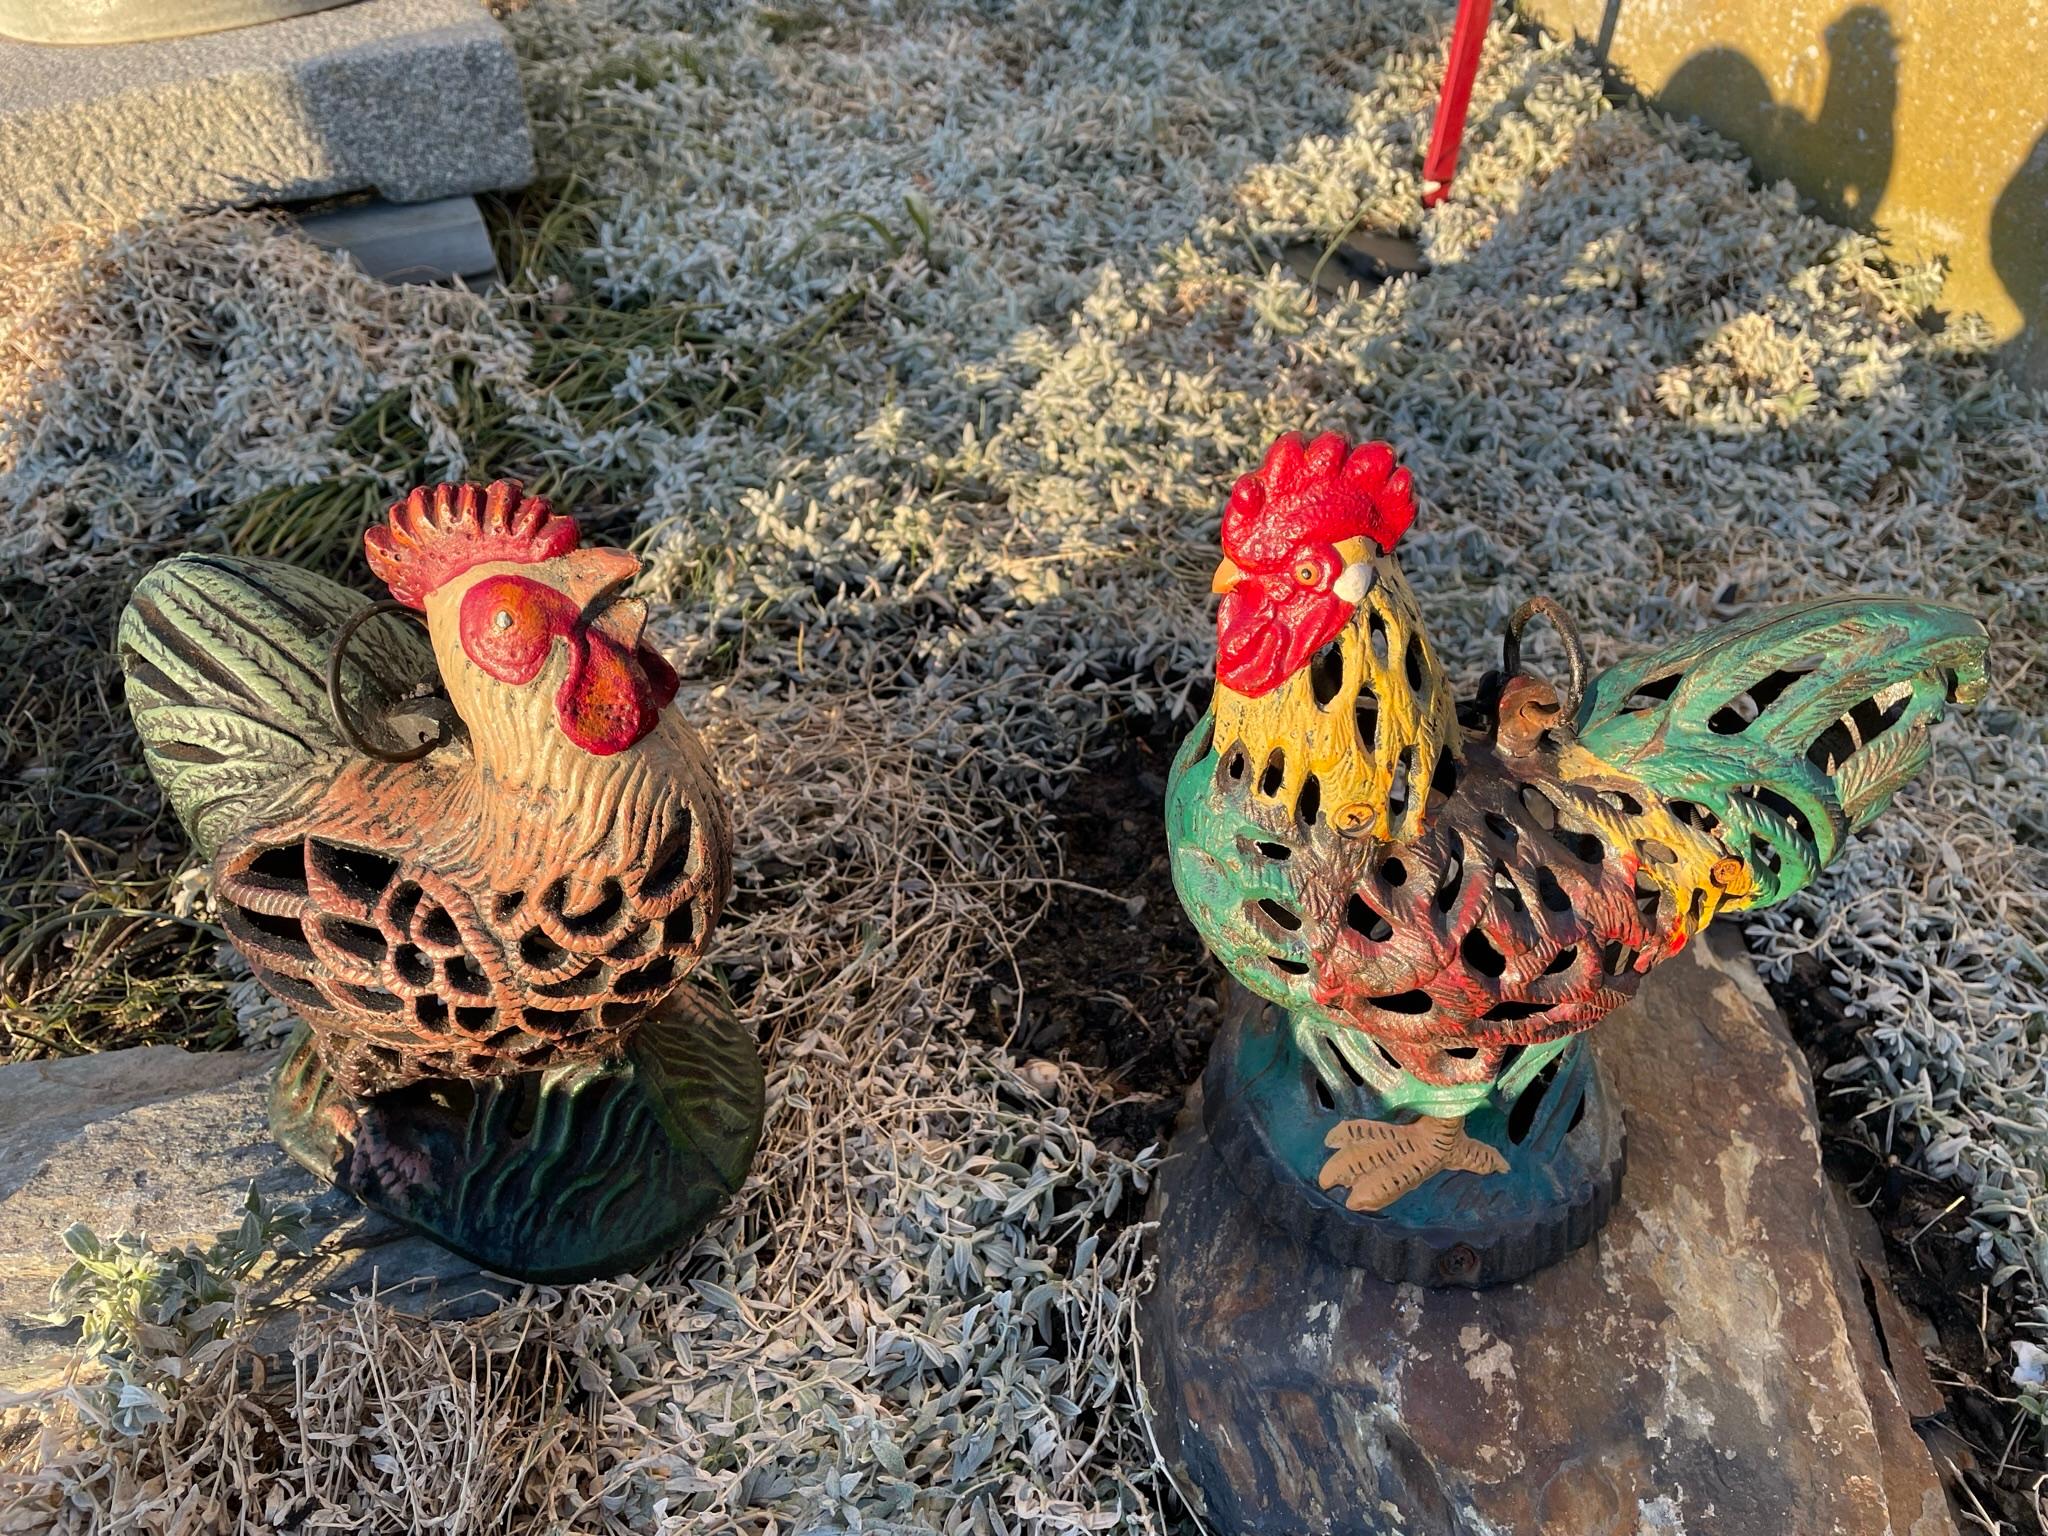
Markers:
point(1307, 572)
point(502, 619)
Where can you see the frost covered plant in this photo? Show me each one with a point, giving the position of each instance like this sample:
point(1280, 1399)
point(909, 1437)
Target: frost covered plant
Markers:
point(152, 1318)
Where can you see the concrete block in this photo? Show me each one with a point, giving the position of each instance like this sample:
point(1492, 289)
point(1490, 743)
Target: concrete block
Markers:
point(413, 99)
point(128, 21)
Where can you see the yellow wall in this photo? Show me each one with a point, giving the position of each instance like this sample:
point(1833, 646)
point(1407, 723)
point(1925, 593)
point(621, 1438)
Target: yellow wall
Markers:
point(1926, 119)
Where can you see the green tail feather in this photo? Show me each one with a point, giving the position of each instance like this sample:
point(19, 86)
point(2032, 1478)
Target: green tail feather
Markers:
point(226, 666)
point(1795, 727)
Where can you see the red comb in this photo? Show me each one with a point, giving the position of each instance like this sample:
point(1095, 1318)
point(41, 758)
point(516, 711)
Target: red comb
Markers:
point(1325, 489)
point(440, 531)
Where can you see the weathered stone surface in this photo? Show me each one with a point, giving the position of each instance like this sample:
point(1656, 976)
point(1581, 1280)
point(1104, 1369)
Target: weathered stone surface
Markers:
point(415, 99)
point(1707, 1366)
point(127, 21)
point(165, 1143)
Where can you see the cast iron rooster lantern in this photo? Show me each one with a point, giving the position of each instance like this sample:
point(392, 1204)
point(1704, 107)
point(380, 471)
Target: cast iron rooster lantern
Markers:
point(481, 899)
point(1427, 903)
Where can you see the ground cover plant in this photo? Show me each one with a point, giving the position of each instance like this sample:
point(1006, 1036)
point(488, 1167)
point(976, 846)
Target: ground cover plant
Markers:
point(915, 345)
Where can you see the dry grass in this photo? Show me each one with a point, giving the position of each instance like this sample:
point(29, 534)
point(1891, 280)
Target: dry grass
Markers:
point(915, 348)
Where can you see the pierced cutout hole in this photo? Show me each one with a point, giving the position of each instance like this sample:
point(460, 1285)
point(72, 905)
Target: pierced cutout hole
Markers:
point(1279, 915)
point(1376, 630)
point(1287, 967)
point(356, 872)
point(1326, 675)
point(1444, 780)
point(1620, 800)
point(1548, 891)
point(281, 869)
point(1279, 853)
point(1397, 791)
point(1562, 961)
point(1480, 954)
point(1364, 921)
point(1522, 1117)
point(1446, 896)
point(1411, 1002)
point(1771, 800)
point(680, 926)
point(1411, 662)
point(1310, 805)
point(1365, 719)
point(1393, 872)
point(1275, 774)
point(1742, 711)
point(671, 862)
point(1501, 828)
point(1539, 807)
point(1652, 692)
point(1513, 1012)
point(437, 927)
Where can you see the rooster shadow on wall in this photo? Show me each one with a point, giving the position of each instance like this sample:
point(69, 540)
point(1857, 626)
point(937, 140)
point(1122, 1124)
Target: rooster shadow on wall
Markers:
point(2019, 255)
point(1842, 157)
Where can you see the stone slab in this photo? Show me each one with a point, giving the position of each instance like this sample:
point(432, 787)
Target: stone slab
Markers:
point(410, 242)
point(165, 1143)
point(127, 21)
point(412, 99)
point(1707, 1366)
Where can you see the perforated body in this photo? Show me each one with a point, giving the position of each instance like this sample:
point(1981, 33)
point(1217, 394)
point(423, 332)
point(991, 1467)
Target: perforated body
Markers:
point(426, 921)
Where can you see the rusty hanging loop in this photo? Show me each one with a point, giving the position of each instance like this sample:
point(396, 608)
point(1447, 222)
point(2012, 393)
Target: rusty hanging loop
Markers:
point(342, 723)
point(1567, 634)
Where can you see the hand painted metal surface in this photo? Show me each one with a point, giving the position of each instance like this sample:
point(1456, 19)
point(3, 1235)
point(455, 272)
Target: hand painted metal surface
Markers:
point(486, 855)
point(1441, 896)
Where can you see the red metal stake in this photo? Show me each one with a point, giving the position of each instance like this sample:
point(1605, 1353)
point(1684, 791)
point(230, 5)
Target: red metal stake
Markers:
point(1467, 37)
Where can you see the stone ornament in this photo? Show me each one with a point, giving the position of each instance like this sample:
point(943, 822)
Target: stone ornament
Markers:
point(1428, 902)
point(478, 863)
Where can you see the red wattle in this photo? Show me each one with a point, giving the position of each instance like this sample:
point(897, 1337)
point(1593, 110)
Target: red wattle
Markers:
point(1260, 642)
point(607, 702)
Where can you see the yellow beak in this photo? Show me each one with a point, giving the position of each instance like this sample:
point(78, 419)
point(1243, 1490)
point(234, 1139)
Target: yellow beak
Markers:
point(1227, 576)
point(593, 580)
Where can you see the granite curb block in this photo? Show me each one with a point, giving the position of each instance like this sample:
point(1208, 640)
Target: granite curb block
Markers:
point(414, 99)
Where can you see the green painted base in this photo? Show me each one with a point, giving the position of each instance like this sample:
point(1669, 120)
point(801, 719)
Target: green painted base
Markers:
point(1273, 1091)
point(567, 1174)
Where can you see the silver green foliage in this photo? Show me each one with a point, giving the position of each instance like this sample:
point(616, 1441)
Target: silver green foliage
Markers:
point(152, 1318)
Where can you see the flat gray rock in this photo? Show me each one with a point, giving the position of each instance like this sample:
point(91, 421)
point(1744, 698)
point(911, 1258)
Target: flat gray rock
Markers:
point(165, 1143)
point(413, 99)
point(1708, 1366)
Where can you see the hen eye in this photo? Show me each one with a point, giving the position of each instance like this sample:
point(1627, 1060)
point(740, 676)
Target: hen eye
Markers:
point(1307, 572)
point(502, 619)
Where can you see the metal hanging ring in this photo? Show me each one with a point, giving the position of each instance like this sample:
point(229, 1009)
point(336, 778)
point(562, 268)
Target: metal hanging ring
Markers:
point(1567, 632)
point(342, 723)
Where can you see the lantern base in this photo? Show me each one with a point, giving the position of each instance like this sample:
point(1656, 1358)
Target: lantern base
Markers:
point(570, 1173)
point(1269, 1107)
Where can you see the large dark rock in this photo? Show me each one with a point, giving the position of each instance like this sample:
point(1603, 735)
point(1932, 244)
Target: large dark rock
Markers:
point(1708, 1366)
